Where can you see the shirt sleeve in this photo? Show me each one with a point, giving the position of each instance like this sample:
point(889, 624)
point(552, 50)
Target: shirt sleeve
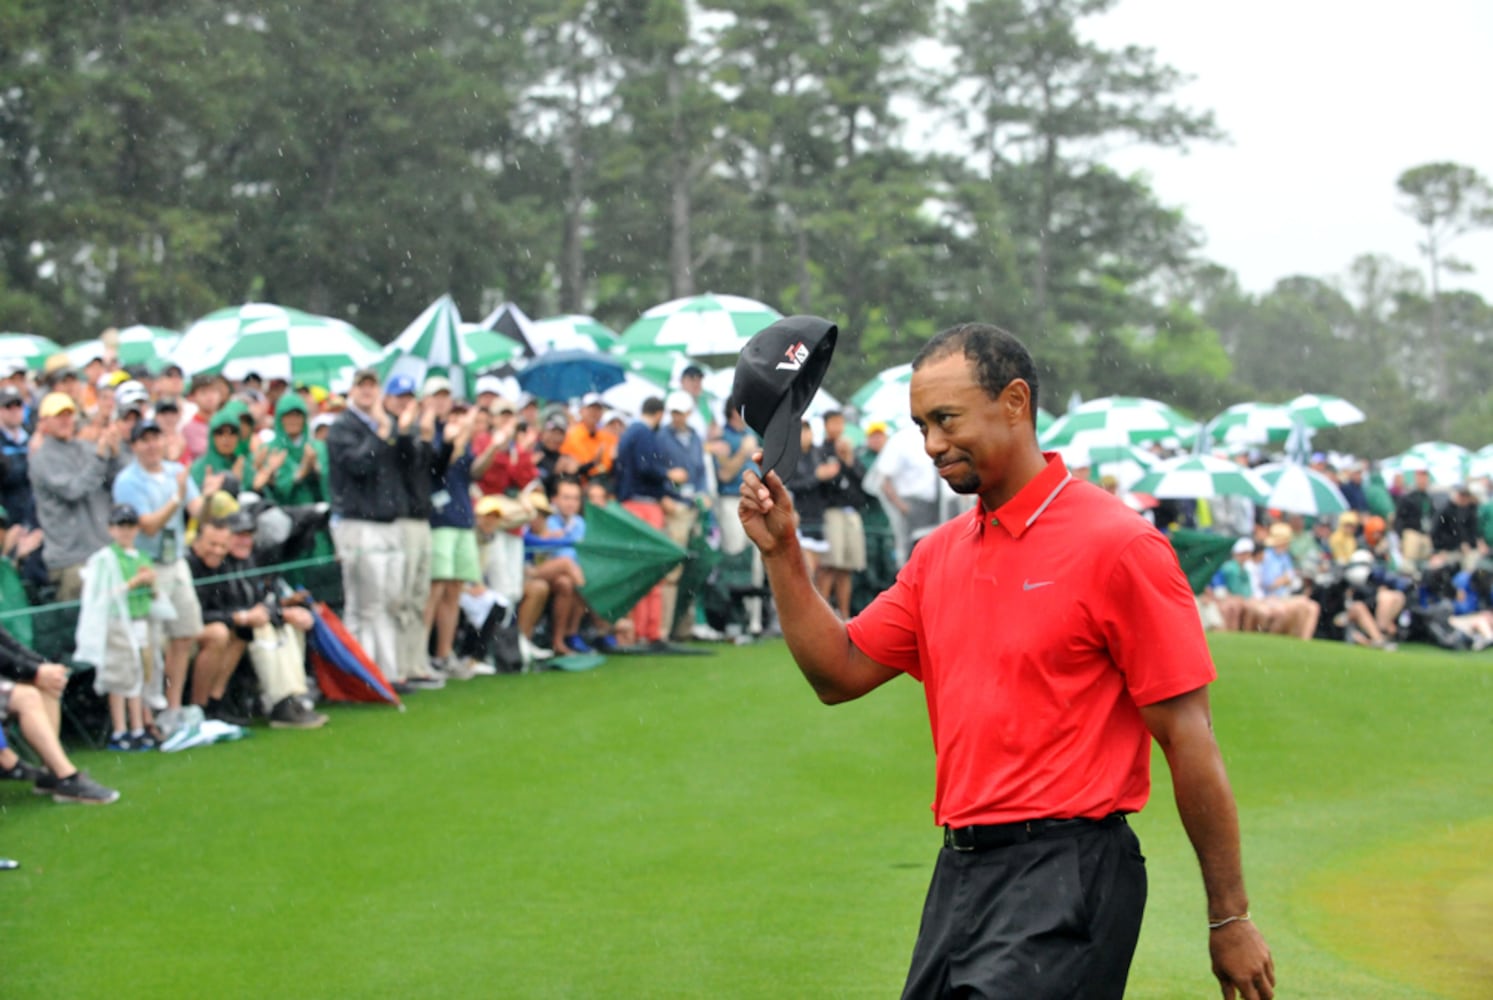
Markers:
point(1150, 620)
point(887, 630)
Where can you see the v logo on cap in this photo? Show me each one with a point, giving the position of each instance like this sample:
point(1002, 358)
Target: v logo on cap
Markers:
point(777, 375)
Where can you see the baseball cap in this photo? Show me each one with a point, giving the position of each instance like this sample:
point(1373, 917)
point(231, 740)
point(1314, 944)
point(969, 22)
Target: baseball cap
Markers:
point(54, 403)
point(692, 371)
point(11, 366)
point(399, 384)
point(489, 383)
point(592, 399)
point(363, 374)
point(143, 428)
point(680, 402)
point(877, 427)
point(1244, 547)
point(239, 522)
point(123, 513)
point(168, 403)
point(9, 394)
point(435, 384)
point(777, 374)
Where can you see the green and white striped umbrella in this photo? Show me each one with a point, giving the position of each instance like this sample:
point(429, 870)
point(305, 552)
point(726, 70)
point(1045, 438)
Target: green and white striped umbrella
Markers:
point(432, 345)
point(1448, 464)
point(1133, 418)
point(661, 367)
point(1044, 421)
point(885, 398)
point(571, 333)
point(1297, 489)
point(489, 348)
point(137, 345)
point(1316, 410)
point(700, 325)
point(1198, 476)
point(1125, 462)
point(275, 342)
point(1252, 423)
point(29, 348)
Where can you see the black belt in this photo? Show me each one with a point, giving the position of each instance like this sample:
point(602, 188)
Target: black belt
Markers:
point(988, 838)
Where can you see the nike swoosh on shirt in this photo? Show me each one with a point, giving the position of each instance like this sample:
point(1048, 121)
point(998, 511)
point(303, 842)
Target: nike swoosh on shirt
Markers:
point(1029, 585)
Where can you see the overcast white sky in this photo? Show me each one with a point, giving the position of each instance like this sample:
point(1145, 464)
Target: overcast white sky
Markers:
point(1325, 103)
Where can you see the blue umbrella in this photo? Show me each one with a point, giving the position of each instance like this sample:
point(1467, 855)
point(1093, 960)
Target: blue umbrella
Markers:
point(568, 374)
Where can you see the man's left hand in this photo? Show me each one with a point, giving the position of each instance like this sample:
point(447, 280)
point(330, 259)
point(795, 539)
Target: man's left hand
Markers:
point(1242, 962)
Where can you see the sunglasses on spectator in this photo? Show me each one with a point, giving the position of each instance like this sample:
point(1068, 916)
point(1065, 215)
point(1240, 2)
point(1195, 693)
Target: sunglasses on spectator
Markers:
point(14, 404)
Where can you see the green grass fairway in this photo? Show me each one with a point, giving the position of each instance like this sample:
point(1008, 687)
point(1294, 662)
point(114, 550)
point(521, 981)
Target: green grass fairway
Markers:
point(703, 827)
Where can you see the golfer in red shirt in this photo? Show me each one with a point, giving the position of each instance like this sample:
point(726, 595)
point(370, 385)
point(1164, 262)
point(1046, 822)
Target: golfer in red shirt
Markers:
point(1054, 634)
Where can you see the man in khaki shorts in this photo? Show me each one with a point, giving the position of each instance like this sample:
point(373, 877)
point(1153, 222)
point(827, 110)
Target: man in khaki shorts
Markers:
point(840, 486)
point(165, 496)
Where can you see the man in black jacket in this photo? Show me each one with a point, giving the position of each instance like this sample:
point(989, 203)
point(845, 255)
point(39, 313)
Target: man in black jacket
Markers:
point(366, 480)
point(31, 693)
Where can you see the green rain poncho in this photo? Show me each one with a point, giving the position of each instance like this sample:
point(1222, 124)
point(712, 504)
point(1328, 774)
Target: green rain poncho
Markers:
point(285, 488)
point(212, 460)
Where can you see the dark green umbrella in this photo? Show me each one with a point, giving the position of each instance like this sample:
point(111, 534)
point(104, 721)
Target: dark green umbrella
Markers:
point(622, 557)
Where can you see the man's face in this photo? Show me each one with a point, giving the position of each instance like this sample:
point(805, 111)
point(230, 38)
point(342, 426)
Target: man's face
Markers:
point(568, 499)
point(61, 426)
point(150, 450)
point(968, 435)
point(678, 420)
point(876, 441)
point(552, 437)
point(294, 423)
point(241, 544)
point(169, 420)
point(364, 395)
point(211, 545)
point(439, 403)
point(124, 534)
point(396, 405)
point(692, 384)
point(591, 416)
point(12, 414)
point(833, 427)
point(1422, 479)
point(168, 384)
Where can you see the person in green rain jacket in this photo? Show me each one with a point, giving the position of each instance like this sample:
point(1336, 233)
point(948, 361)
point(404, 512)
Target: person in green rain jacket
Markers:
point(226, 451)
point(295, 469)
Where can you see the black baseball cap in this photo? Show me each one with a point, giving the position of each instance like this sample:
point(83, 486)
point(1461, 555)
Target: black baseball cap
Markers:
point(123, 513)
point(143, 428)
point(777, 374)
point(239, 522)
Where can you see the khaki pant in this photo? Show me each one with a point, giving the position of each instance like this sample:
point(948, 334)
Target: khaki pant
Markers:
point(414, 591)
point(679, 520)
point(733, 541)
point(279, 659)
point(372, 571)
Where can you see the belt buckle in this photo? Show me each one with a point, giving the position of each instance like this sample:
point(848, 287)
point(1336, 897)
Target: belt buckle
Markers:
point(951, 841)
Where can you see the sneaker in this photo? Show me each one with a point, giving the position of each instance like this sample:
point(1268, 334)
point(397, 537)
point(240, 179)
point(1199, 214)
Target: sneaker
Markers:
point(122, 742)
point(217, 708)
point(81, 788)
point(23, 771)
point(289, 713)
point(459, 670)
point(46, 784)
point(531, 651)
point(9, 864)
point(605, 643)
point(704, 633)
point(144, 741)
point(576, 644)
point(430, 683)
point(480, 668)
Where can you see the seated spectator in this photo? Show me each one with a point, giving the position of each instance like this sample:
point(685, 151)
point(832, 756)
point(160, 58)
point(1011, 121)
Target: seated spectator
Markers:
point(225, 624)
point(115, 632)
point(1343, 541)
point(549, 544)
point(278, 622)
point(504, 571)
point(1234, 592)
point(31, 693)
point(1373, 608)
point(1287, 611)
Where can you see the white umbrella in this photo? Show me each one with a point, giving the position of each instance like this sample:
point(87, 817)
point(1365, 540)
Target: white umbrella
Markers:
point(1135, 418)
point(571, 333)
point(1299, 490)
point(1198, 476)
point(1316, 410)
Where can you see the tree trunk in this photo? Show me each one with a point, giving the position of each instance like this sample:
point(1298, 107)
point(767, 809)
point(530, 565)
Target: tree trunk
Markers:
point(681, 274)
point(573, 249)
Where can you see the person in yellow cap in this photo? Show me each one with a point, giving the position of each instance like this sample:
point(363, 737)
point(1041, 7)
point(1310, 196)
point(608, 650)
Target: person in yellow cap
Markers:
point(71, 479)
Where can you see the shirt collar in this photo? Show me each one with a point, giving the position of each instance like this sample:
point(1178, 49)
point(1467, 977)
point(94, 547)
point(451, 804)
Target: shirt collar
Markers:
point(1020, 512)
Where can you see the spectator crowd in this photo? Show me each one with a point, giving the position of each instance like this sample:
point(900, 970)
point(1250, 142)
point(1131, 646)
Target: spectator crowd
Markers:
point(186, 521)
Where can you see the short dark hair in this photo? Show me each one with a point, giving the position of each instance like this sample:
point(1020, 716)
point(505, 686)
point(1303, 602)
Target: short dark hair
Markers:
point(998, 355)
point(652, 405)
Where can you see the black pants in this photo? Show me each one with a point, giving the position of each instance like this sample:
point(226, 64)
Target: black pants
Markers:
point(1050, 919)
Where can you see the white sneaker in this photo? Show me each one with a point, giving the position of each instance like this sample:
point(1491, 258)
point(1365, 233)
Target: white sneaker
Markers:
point(481, 668)
point(532, 652)
point(705, 633)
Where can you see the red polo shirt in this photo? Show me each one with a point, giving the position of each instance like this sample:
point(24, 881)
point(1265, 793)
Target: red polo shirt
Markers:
point(1037, 631)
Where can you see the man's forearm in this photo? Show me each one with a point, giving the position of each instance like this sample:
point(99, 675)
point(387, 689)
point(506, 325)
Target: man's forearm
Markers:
point(816, 637)
point(1205, 803)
